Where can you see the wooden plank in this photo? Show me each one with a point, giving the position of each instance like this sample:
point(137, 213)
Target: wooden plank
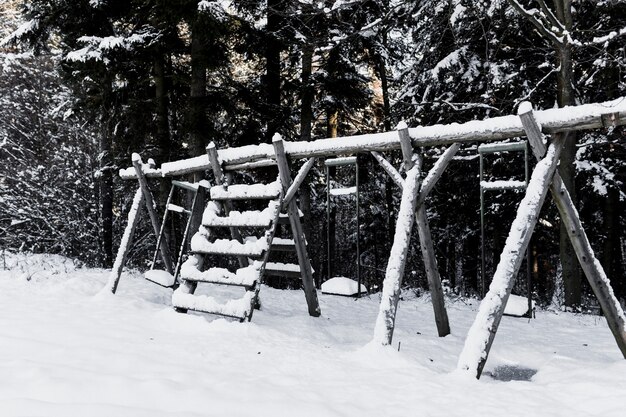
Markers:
point(298, 233)
point(426, 243)
point(127, 237)
point(216, 166)
point(143, 184)
point(584, 117)
point(432, 272)
point(406, 146)
point(297, 182)
point(591, 266)
point(483, 331)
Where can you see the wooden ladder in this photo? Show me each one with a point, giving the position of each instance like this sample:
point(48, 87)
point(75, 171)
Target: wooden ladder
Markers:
point(251, 251)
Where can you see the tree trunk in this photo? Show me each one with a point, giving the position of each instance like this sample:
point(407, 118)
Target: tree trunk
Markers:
point(197, 111)
point(306, 124)
point(275, 9)
point(565, 97)
point(105, 188)
point(105, 183)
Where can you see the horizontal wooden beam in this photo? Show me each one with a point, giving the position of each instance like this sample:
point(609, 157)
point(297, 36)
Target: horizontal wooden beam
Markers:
point(583, 117)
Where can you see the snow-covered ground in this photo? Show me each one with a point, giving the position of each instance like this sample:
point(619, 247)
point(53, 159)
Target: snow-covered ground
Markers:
point(69, 351)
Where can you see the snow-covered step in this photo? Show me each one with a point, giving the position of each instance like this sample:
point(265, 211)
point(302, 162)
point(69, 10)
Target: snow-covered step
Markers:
point(162, 278)
point(246, 192)
point(283, 245)
point(250, 248)
point(279, 269)
point(283, 218)
point(238, 308)
point(503, 185)
point(256, 218)
point(245, 277)
point(177, 209)
point(337, 192)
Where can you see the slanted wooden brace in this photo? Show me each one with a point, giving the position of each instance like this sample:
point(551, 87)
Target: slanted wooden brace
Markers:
point(569, 216)
point(482, 333)
point(296, 226)
point(412, 209)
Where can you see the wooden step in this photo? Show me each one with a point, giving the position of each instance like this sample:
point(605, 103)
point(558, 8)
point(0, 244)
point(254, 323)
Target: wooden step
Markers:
point(283, 245)
point(250, 248)
point(211, 217)
point(278, 269)
point(283, 218)
point(246, 192)
point(238, 309)
point(243, 277)
point(177, 209)
point(191, 186)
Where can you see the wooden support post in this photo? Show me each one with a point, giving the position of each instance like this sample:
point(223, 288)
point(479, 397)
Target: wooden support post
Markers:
point(592, 268)
point(385, 322)
point(298, 234)
point(483, 331)
point(143, 184)
point(216, 166)
point(426, 245)
point(122, 252)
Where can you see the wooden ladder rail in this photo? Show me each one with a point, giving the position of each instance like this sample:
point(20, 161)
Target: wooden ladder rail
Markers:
point(304, 262)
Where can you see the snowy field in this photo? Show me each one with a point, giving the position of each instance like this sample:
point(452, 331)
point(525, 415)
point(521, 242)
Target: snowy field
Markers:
point(69, 351)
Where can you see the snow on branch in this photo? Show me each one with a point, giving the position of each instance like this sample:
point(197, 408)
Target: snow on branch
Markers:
point(214, 8)
point(606, 38)
point(97, 45)
point(22, 31)
point(543, 23)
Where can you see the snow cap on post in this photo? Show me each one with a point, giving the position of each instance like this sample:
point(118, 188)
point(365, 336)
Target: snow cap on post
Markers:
point(210, 146)
point(277, 137)
point(136, 157)
point(524, 107)
point(402, 125)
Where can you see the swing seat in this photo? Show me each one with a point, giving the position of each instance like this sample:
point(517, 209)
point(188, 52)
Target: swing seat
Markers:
point(342, 286)
point(160, 277)
point(517, 306)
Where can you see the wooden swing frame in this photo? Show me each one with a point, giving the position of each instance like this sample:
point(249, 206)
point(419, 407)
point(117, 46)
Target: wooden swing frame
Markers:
point(412, 210)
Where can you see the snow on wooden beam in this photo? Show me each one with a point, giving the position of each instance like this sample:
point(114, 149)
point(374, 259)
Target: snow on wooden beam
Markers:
point(385, 322)
point(592, 268)
point(588, 116)
point(483, 331)
point(127, 237)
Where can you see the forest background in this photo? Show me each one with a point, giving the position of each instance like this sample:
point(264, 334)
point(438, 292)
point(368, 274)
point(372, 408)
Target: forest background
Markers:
point(85, 83)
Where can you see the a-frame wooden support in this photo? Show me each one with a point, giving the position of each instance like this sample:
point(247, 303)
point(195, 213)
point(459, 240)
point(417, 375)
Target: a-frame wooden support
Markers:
point(296, 226)
point(412, 209)
point(483, 331)
point(142, 194)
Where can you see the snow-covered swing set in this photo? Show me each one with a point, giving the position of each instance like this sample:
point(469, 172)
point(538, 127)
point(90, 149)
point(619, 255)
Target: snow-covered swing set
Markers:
point(252, 254)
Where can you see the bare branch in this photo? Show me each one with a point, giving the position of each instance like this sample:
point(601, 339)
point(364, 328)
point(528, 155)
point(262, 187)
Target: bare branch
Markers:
point(551, 17)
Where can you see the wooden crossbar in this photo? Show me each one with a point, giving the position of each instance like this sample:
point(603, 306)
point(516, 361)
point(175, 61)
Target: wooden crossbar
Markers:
point(584, 117)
